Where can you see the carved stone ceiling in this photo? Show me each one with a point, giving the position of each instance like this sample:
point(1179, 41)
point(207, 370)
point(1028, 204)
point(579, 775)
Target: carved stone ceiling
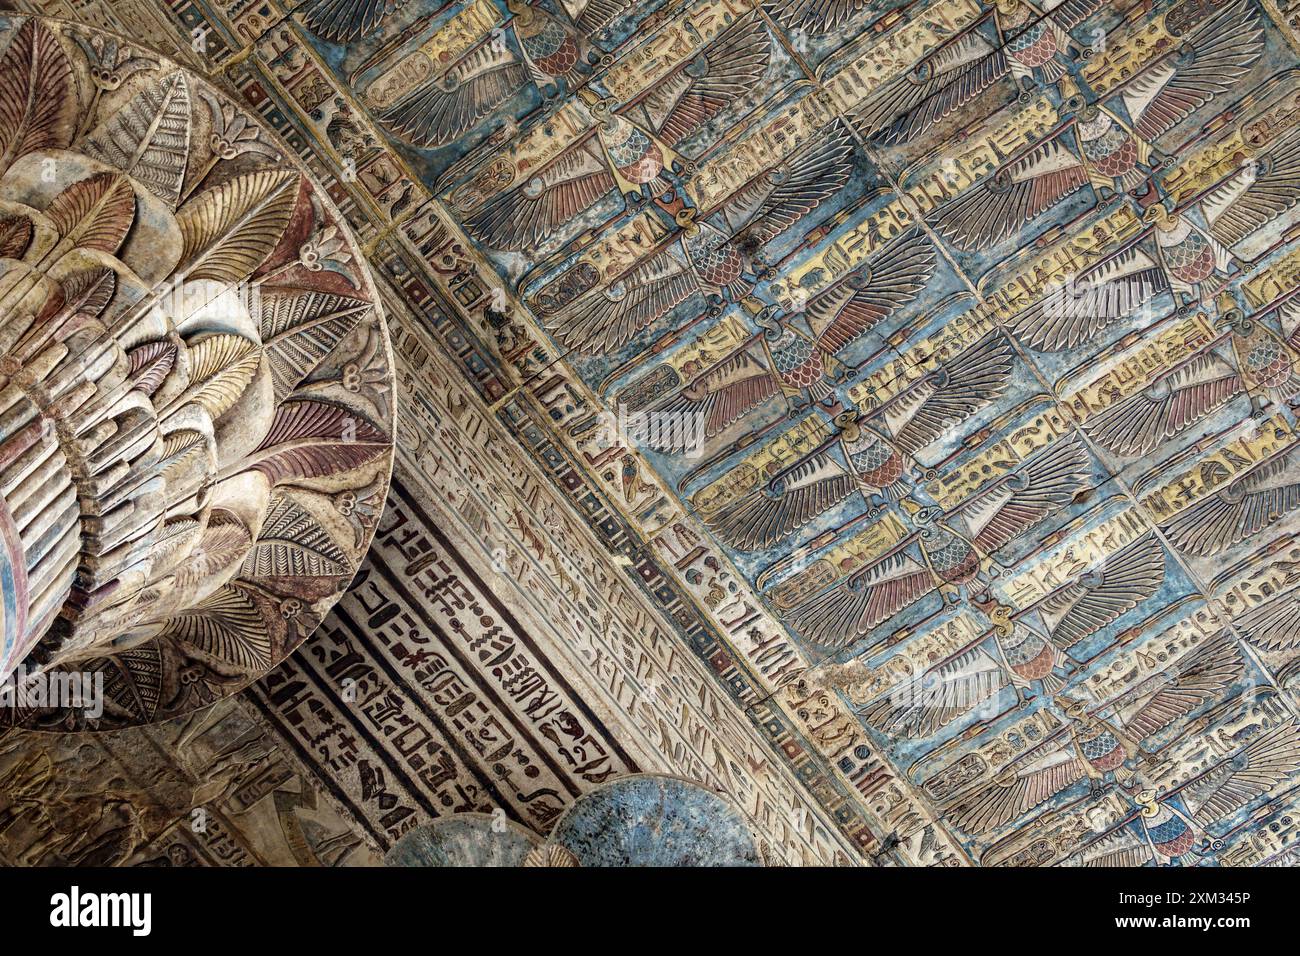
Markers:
point(880, 412)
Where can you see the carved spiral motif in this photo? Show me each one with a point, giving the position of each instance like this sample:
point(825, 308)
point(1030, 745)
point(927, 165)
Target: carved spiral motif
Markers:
point(196, 399)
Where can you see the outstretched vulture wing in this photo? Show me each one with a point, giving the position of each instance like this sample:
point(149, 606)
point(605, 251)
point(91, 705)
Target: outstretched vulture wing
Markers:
point(1072, 314)
point(948, 395)
point(535, 210)
point(1210, 59)
point(441, 111)
point(814, 16)
point(1008, 508)
point(1254, 770)
point(346, 19)
point(1173, 402)
point(592, 16)
point(1203, 675)
point(1245, 506)
point(1120, 848)
point(782, 196)
point(860, 603)
point(778, 508)
point(939, 696)
point(1085, 606)
point(1012, 795)
point(868, 295)
point(1273, 625)
point(723, 394)
point(728, 69)
point(998, 208)
point(604, 319)
point(1261, 191)
point(947, 80)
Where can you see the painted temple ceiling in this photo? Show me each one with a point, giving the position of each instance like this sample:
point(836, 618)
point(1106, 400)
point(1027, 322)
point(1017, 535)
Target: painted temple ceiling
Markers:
point(879, 412)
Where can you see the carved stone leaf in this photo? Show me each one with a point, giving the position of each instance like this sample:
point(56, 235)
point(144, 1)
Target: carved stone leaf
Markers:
point(37, 102)
point(309, 439)
point(133, 679)
point(88, 292)
point(221, 366)
point(95, 213)
point(149, 365)
point(15, 236)
point(179, 448)
point(224, 541)
point(150, 138)
point(292, 543)
point(226, 625)
point(176, 534)
point(229, 230)
point(299, 329)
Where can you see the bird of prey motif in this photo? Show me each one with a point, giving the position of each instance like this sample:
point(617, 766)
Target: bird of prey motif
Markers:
point(734, 383)
point(952, 548)
point(708, 259)
point(1243, 507)
point(868, 453)
point(1027, 645)
point(342, 20)
point(1178, 398)
point(814, 17)
point(631, 146)
point(443, 110)
point(1027, 40)
point(1096, 746)
point(1265, 188)
point(1173, 826)
point(1097, 147)
point(1074, 313)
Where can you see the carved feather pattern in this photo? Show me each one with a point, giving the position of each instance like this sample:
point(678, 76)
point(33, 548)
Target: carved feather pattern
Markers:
point(346, 19)
point(1257, 768)
point(1243, 507)
point(1018, 792)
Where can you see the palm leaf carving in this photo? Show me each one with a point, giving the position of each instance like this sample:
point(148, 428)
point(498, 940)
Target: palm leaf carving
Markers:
point(226, 625)
point(299, 329)
point(37, 105)
point(88, 292)
point(179, 449)
point(292, 543)
point(229, 230)
point(224, 541)
point(221, 366)
point(94, 213)
point(309, 439)
point(150, 364)
point(15, 236)
point(177, 534)
point(150, 138)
